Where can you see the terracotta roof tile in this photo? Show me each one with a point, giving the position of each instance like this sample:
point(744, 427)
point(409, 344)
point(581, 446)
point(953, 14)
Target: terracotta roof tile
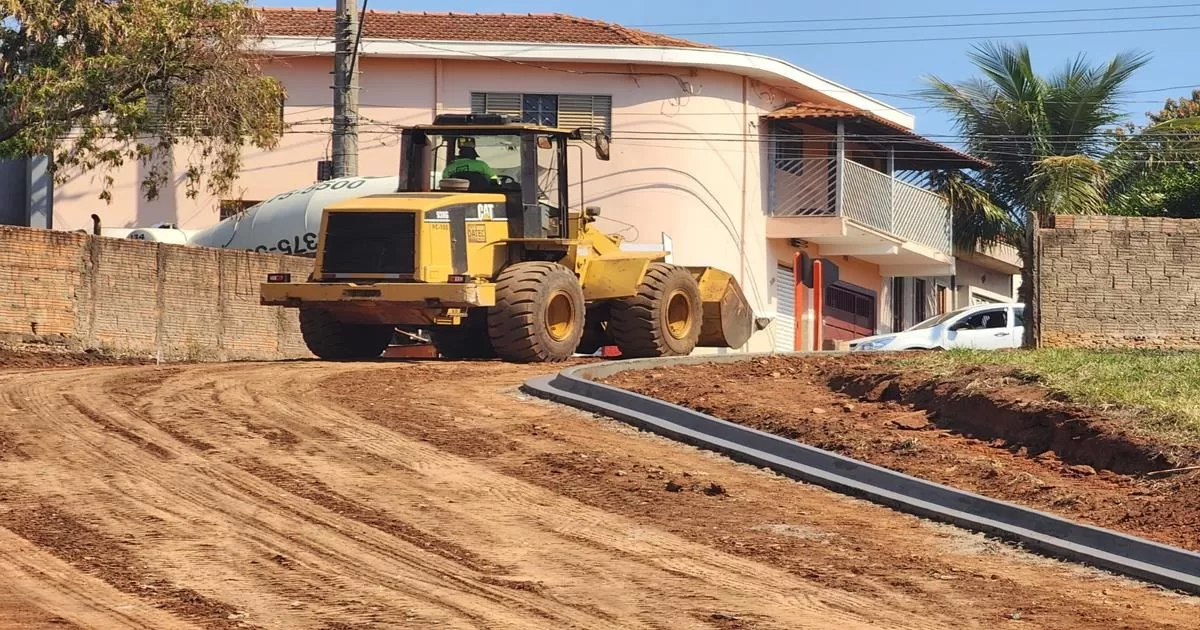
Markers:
point(475, 27)
point(817, 111)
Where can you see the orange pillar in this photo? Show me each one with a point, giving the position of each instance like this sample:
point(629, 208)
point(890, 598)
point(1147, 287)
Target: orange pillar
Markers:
point(818, 306)
point(797, 302)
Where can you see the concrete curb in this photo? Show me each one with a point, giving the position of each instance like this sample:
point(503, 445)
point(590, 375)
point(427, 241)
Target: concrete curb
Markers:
point(1160, 564)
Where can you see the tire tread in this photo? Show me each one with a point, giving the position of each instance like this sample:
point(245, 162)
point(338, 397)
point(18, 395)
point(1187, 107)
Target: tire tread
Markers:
point(635, 321)
point(332, 340)
point(513, 320)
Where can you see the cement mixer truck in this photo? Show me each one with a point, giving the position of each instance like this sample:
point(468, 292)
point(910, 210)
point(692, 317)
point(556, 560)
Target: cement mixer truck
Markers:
point(284, 224)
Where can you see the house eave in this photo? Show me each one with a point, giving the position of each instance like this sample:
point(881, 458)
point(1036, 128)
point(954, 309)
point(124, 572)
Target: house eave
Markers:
point(769, 70)
point(842, 236)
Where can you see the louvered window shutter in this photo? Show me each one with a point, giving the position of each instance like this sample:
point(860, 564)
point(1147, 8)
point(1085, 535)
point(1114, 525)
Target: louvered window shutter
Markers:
point(496, 103)
point(585, 111)
point(573, 110)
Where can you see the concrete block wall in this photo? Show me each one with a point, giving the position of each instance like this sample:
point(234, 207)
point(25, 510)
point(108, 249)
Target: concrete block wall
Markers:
point(143, 298)
point(1119, 282)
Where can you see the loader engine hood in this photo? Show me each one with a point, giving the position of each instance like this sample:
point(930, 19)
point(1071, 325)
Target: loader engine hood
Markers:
point(421, 237)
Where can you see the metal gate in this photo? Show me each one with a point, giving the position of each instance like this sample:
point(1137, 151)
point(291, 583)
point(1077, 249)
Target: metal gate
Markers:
point(849, 312)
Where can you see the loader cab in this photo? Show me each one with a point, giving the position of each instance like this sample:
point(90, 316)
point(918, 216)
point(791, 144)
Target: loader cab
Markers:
point(529, 162)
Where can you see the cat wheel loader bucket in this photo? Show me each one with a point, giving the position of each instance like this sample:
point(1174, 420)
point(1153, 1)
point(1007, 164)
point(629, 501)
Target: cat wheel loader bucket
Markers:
point(728, 319)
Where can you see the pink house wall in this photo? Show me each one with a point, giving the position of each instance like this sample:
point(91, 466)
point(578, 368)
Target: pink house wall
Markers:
point(685, 163)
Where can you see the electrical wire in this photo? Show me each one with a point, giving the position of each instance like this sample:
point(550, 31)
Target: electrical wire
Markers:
point(909, 40)
point(921, 17)
point(384, 126)
point(362, 18)
point(893, 27)
point(682, 84)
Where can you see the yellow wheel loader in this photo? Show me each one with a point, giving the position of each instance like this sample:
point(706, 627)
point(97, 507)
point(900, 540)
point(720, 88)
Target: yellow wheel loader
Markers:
point(494, 262)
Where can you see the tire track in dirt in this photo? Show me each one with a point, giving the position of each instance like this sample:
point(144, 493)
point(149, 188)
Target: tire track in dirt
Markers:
point(356, 435)
point(589, 532)
point(283, 480)
point(277, 558)
point(43, 591)
point(94, 554)
point(181, 492)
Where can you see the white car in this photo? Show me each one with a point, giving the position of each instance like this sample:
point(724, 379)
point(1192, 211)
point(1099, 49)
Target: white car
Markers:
point(982, 327)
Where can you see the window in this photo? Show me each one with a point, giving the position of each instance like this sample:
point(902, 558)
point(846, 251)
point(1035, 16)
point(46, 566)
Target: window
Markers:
point(500, 152)
point(539, 109)
point(994, 318)
point(1019, 316)
point(231, 207)
point(157, 104)
point(897, 304)
point(919, 299)
point(569, 111)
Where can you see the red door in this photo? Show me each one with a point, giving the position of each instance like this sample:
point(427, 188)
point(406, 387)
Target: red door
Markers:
point(849, 312)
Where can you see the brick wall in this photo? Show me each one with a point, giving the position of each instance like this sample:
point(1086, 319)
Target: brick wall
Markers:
point(1119, 282)
point(144, 298)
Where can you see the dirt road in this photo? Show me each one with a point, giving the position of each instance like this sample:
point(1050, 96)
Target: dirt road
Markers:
point(434, 495)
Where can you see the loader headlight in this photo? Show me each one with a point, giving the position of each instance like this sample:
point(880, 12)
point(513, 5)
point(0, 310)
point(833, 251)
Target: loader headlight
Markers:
point(875, 344)
point(279, 277)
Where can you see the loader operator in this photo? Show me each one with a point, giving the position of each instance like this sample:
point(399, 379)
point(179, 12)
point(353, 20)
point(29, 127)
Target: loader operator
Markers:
point(468, 161)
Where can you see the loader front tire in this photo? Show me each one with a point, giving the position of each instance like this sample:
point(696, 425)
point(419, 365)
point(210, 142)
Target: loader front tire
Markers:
point(336, 341)
point(539, 313)
point(663, 319)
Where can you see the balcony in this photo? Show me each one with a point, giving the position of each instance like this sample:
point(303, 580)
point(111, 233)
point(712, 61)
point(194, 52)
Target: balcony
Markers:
point(861, 212)
point(853, 185)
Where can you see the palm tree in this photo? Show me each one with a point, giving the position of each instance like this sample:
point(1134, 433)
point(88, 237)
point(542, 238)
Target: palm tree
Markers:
point(1047, 137)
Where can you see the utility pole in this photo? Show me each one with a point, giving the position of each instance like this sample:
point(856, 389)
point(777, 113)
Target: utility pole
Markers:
point(345, 90)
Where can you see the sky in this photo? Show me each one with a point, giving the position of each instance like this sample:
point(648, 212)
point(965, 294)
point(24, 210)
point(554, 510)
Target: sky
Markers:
point(894, 71)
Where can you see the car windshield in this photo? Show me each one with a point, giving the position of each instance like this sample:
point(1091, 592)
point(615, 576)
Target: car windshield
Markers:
point(940, 319)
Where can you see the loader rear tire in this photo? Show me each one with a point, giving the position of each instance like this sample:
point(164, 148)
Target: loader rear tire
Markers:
point(468, 340)
point(663, 319)
point(539, 313)
point(336, 341)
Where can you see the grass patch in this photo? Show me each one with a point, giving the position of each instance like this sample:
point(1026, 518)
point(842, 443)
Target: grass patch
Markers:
point(1160, 388)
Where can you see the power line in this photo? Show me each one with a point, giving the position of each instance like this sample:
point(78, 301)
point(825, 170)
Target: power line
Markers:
point(680, 81)
point(1102, 136)
point(908, 40)
point(892, 27)
point(911, 154)
point(516, 62)
point(920, 17)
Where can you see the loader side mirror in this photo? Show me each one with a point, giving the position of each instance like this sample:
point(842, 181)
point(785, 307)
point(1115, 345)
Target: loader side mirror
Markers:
point(602, 146)
point(543, 142)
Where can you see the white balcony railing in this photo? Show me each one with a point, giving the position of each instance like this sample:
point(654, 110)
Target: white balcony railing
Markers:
point(807, 187)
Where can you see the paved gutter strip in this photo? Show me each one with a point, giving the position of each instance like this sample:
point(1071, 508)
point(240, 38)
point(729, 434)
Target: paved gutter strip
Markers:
point(1127, 555)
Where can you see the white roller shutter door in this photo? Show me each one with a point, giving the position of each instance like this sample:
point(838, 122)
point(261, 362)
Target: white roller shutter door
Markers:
point(785, 310)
